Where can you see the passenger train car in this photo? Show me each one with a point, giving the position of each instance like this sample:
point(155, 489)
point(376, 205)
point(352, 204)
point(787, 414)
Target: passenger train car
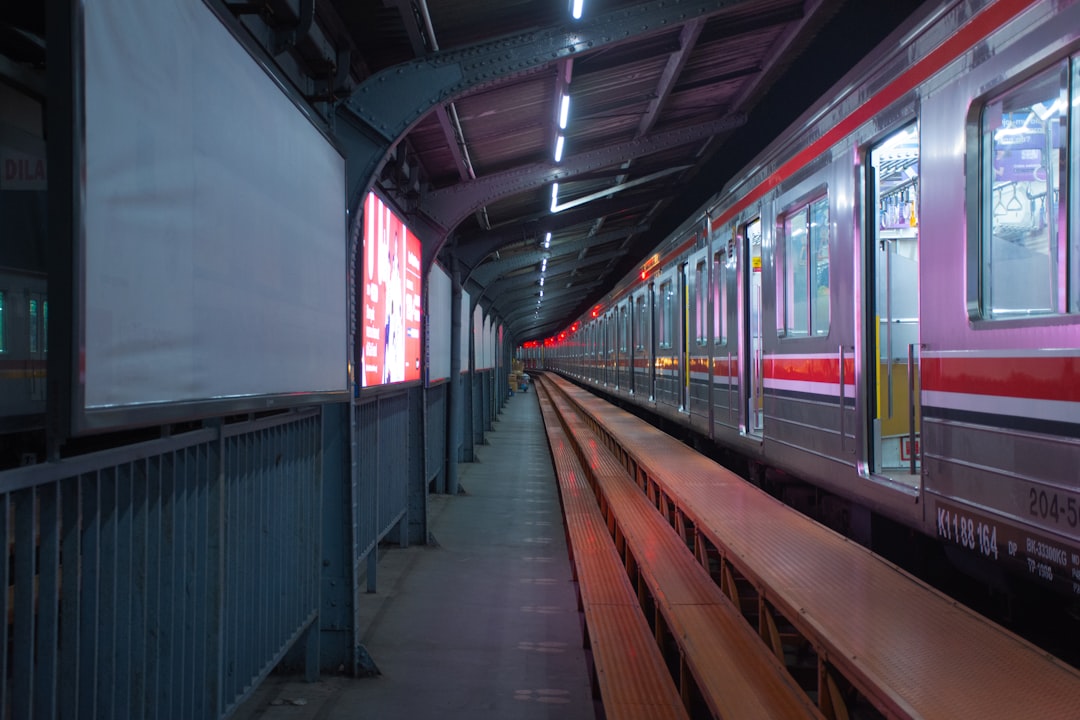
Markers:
point(887, 302)
point(24, 317)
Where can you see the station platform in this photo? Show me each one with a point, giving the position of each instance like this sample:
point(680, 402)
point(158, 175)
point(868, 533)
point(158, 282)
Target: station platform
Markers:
point(483, 622)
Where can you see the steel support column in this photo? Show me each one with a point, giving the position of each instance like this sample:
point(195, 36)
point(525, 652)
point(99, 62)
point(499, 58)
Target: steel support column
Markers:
point(468, 378)
point(454, 406)
point(337, 628)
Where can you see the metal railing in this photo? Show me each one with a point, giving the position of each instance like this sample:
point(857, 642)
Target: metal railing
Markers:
point(436, 436)
point(380, 491)
point(162, 579)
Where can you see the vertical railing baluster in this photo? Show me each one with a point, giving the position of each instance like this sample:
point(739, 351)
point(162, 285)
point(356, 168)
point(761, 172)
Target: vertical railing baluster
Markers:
point(262, 648)
point(180, 631)
point(191, 578)
point(201, 531)
point(70, 600)
point(48, 606)
point(22, 659)
point(168, 636)
point(6, 608)
point(89, 591)
point(240, 511)
point(140, 586)
point(124, 593)
point(107, 620)
point(279, 513)
point(155, 578)
point(215, 517)
point(250, 570)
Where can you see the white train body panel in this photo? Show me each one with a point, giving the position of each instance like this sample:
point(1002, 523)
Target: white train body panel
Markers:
point(919, 228)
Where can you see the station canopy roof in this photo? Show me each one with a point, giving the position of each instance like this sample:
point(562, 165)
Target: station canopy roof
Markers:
point(667, 100)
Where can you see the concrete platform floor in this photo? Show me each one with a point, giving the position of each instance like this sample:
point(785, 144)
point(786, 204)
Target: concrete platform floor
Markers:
point(481, 625)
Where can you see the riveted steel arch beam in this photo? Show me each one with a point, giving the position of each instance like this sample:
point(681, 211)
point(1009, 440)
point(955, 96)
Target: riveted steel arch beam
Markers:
point(556, 306)
point(488, 272)
point(553, 312)
point(472, 250)
point(515, 299)
point(449, 206)
point(391, 101)
point(556, 276)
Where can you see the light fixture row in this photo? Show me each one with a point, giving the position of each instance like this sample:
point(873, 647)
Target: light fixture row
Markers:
point(577, 8)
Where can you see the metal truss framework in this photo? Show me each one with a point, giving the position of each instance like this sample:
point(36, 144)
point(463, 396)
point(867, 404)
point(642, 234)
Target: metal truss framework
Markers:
point(471, 253)
point(491, 271)
point(384, 107)
point(449, 206)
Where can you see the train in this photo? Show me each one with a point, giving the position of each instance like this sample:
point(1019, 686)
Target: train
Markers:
point(24, 346)
point(886, 302)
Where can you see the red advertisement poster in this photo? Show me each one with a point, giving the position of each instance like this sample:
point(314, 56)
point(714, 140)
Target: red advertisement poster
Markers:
point(392, 290)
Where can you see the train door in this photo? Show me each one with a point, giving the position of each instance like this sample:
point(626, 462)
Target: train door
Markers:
point(649, 339)
point(683, 361)
point(753, 369)
point(613, 348)
point(665, 344)
point(892, 316)
point(697, 337)
point(622, 381)
point(633, 334)
point(616, 341)
point(642, 340)
point(600, 376)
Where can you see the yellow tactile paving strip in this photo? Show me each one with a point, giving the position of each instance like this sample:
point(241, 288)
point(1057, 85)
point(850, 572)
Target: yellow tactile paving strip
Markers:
point(913, 650)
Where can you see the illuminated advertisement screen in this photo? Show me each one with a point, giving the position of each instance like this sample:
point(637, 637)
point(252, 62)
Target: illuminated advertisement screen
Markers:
point(391, 304)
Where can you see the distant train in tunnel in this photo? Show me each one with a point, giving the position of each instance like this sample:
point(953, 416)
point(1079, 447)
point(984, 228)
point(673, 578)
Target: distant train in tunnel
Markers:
point(24, 317)
point(886, 303)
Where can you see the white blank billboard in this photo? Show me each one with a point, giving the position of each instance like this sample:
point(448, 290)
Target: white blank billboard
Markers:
point(214, 218)
point(438, 303)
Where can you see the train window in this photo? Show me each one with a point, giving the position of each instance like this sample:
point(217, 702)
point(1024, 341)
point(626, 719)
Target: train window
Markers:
point(701, 304)
point(802, 271)
point(1024, 242)
point(665, 332)
point(719, 298)
point(3, 347)
point(33, 326)
point(45, 325)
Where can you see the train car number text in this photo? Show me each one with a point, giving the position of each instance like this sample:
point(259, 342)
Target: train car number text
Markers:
point(967, 531)
point(1049, 505)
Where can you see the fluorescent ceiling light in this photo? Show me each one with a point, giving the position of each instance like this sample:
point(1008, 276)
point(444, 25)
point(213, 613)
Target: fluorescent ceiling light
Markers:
point(559, 148)
point(543, 265)
point(577, 8)
point(547, 243)
point(541, 282)
point(554, 196)
point(564, 111)
point(541, 293)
